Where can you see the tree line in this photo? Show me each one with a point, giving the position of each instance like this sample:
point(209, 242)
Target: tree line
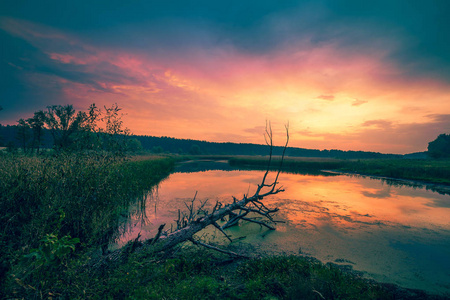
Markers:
point(64, 129)
point(70, 130)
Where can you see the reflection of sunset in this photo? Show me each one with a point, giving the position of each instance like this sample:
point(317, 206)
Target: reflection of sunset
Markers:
point(358, 202)
point(309, 202)
point(332, 218)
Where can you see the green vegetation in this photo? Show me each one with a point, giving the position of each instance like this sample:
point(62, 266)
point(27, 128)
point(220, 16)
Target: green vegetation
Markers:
point(62, 208)
point(59, 210)
point(57, 206)
point(197, 274)
point(290, 163)
point(429, 170)
point(71, 130)
point(440, 147)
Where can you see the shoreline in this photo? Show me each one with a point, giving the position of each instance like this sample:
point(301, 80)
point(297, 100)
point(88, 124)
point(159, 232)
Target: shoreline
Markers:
point(435, 187)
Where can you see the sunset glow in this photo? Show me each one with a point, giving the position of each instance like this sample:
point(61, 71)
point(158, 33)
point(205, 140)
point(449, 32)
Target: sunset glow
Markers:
point(341, 83)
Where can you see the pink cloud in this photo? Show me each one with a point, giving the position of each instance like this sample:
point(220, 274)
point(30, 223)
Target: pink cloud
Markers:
point(326, 97)
point(221, 93)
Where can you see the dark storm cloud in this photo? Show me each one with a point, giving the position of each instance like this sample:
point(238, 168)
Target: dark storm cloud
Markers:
point(48, 46)
point(420, 27)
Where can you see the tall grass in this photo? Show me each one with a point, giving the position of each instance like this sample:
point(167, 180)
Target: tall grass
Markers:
point(52, 205)
point(79, 196)
point(437, 171)
point(431, 170)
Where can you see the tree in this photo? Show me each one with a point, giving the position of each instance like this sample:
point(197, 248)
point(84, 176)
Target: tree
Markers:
point(157, 149)
point(440, 147)
point(23, 134)
point(36, 123)
point(134, 145)
point(63, 122)
point(73, 130)
point(195, 150)
point(196, 219)
point(115, 134)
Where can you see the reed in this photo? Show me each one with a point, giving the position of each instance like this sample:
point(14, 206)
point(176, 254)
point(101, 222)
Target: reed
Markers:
point(59, 198)
point(429, 170)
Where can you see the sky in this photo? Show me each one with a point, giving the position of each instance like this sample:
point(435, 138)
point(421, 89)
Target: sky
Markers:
point(344, 74)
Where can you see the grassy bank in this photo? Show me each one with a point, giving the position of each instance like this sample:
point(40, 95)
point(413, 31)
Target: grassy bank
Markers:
point(191, 273)
point(435, 171)
point(53, 207)
point(57, 212)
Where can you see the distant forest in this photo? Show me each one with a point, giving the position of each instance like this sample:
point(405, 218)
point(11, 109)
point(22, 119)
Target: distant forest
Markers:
point(9, 134)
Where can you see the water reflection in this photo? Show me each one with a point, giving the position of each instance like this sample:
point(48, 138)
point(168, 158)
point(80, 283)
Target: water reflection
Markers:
point(393, 233)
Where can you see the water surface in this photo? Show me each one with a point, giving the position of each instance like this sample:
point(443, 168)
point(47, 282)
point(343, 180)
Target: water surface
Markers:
point(391, 233)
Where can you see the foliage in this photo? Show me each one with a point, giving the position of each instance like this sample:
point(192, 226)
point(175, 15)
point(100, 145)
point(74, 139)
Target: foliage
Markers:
point(52, 249)
point(197, 274)
point(36, 123)
point(440, 147)
point(157, 149)
point(63, 122)
point(94, 130)
point(195, 150)
point(93, 191)
point(23, 134)
point(414, 169)
point(289, 164)
point(437, 171)
point(48, 200)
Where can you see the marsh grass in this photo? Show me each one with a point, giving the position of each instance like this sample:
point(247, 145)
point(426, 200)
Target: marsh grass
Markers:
point(192, 273)
point(429, 170)
point(56, 211)
point(47, 202)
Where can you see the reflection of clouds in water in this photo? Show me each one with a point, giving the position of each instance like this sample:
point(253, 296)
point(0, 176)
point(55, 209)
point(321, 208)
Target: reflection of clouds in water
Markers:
point(331, 218)
point(314, 214)
point(439, 202)
point(383, 193)
point(410, 211)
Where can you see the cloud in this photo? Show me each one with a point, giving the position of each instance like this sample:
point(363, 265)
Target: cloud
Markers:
point(256, 130)
point(358, 102)
point(326, 97)
point(217, 71)
point(385, 124)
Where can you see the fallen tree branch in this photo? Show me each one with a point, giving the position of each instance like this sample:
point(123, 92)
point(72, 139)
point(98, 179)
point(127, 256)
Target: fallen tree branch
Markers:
point(194, 220)
point(199, 243)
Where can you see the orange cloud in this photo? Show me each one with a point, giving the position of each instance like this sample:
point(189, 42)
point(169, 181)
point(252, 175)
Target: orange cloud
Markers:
point(222, 94)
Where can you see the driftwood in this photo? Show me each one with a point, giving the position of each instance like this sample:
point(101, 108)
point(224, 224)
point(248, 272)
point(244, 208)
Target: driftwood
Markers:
point(194, 220)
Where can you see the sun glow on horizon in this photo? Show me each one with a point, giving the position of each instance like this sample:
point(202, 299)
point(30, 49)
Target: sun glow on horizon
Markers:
point(333, 98)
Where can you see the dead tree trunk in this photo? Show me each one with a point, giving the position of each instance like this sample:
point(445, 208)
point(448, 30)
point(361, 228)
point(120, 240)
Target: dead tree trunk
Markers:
point(195, 220)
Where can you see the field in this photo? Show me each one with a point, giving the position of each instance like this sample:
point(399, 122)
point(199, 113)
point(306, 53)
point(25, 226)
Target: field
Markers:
point(59, 212)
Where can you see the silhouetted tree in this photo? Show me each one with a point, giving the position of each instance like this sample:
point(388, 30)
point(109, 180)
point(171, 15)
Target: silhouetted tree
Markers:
point(440, 147)
point(195, 150)
point(36, 123)
point(157, 149)
point(23, 134)
point(133, 145)
point(115, 134)
point(63, 122)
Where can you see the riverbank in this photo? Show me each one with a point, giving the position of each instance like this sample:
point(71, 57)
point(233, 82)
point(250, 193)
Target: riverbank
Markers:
point(55, 208)
point(60, 210)
point(424, 171)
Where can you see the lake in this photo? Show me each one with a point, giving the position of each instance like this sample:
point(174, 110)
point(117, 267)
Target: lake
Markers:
point(390, 232)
